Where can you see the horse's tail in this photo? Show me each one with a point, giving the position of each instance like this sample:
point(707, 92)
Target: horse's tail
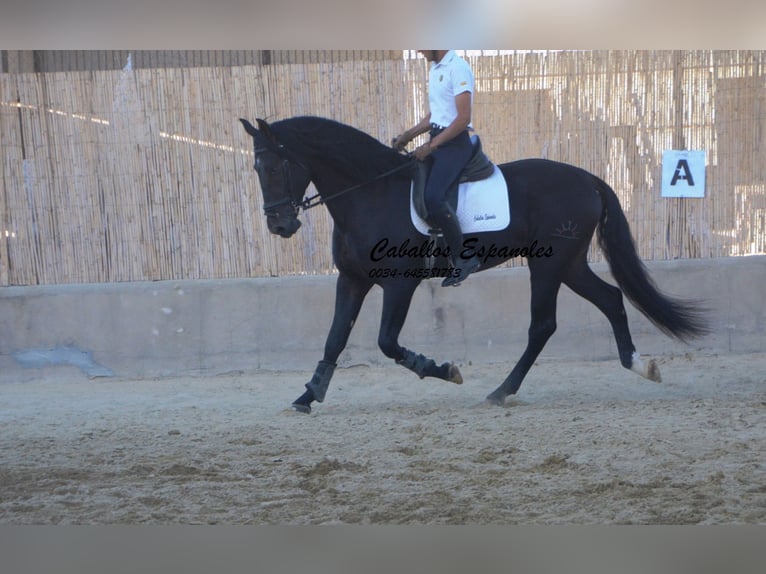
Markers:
point(675, 317)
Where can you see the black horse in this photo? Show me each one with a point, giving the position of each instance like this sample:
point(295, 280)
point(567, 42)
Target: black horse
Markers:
point(365, 185)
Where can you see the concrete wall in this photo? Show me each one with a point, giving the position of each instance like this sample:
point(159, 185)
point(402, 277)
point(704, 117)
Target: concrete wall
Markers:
point(169, 328)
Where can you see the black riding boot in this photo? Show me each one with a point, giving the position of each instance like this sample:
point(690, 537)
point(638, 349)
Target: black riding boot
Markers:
point(447, 221)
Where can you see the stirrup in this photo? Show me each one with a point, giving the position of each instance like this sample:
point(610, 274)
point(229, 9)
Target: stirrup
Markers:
point(469, 267)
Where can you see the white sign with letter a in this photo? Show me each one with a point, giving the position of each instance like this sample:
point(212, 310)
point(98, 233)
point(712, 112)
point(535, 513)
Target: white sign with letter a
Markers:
point(683, 173)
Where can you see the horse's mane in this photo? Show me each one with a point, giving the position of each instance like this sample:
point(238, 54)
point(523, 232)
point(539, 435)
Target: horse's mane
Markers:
point(347, 149)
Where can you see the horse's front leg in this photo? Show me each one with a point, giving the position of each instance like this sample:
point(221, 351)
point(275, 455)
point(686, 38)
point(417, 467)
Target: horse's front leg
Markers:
point(349, 296)
point(397, 296)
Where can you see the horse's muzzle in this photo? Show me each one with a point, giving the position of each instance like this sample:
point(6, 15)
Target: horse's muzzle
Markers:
point(283, 226)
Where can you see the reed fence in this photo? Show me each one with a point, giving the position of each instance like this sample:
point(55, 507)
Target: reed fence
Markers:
point(129, 175)
point(94, 60)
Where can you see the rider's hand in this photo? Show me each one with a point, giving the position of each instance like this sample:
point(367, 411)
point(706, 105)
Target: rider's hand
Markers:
point(423, 151)
point(400, 141)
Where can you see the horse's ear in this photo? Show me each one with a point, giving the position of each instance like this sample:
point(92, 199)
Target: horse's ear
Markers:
point(266, 129)
point(249, 128)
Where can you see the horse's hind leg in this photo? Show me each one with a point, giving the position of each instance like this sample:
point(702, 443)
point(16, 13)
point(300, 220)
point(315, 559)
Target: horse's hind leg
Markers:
point(545, 290)
point(608, 299)
point(349, 296)
point(397, 296)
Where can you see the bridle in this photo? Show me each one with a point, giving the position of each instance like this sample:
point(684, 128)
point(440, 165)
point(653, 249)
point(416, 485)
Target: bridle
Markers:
point(314, 200)
point(270, 208)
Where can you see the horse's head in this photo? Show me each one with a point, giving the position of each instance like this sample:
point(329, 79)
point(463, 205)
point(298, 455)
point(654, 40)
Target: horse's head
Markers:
point(283, 179)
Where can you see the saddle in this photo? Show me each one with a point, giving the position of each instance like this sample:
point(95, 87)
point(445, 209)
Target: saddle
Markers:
point(479, 167)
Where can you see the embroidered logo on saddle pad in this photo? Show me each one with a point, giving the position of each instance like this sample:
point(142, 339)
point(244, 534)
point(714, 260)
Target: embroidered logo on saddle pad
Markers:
point(481, 206)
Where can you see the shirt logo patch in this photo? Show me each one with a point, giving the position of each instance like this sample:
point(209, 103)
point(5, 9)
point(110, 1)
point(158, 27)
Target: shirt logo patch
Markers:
point(441, 77)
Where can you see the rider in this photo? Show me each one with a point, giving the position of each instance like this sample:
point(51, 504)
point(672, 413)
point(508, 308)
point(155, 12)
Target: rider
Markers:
point(450, 94)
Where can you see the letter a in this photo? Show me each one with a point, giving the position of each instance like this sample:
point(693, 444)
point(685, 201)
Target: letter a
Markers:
point(687, 175)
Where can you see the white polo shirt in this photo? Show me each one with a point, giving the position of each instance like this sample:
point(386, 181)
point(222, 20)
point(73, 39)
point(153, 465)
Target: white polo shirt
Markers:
point(447, 79)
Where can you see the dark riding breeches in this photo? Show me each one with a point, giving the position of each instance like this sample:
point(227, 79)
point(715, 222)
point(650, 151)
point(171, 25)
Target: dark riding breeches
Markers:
point(448, 160)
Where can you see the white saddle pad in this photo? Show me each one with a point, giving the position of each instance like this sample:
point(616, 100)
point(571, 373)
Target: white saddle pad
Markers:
point(481, 206)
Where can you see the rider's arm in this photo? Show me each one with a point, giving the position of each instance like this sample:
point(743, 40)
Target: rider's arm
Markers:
point(420, 128)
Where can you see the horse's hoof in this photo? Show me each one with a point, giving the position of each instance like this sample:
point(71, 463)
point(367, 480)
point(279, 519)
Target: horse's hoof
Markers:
point(305, 409)
point(454, 376)
point(494, 400)
point(653, 372)
point(649, 370)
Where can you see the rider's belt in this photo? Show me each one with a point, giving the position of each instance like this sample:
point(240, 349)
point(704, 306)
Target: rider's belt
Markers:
point(436, 129)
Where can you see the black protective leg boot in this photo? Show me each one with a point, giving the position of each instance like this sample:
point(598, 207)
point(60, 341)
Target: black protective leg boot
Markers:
point(447, 221)
point(321, 380)
point(418, 364)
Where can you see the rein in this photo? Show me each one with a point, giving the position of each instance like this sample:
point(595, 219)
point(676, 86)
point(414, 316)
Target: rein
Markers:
point(317, 199)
